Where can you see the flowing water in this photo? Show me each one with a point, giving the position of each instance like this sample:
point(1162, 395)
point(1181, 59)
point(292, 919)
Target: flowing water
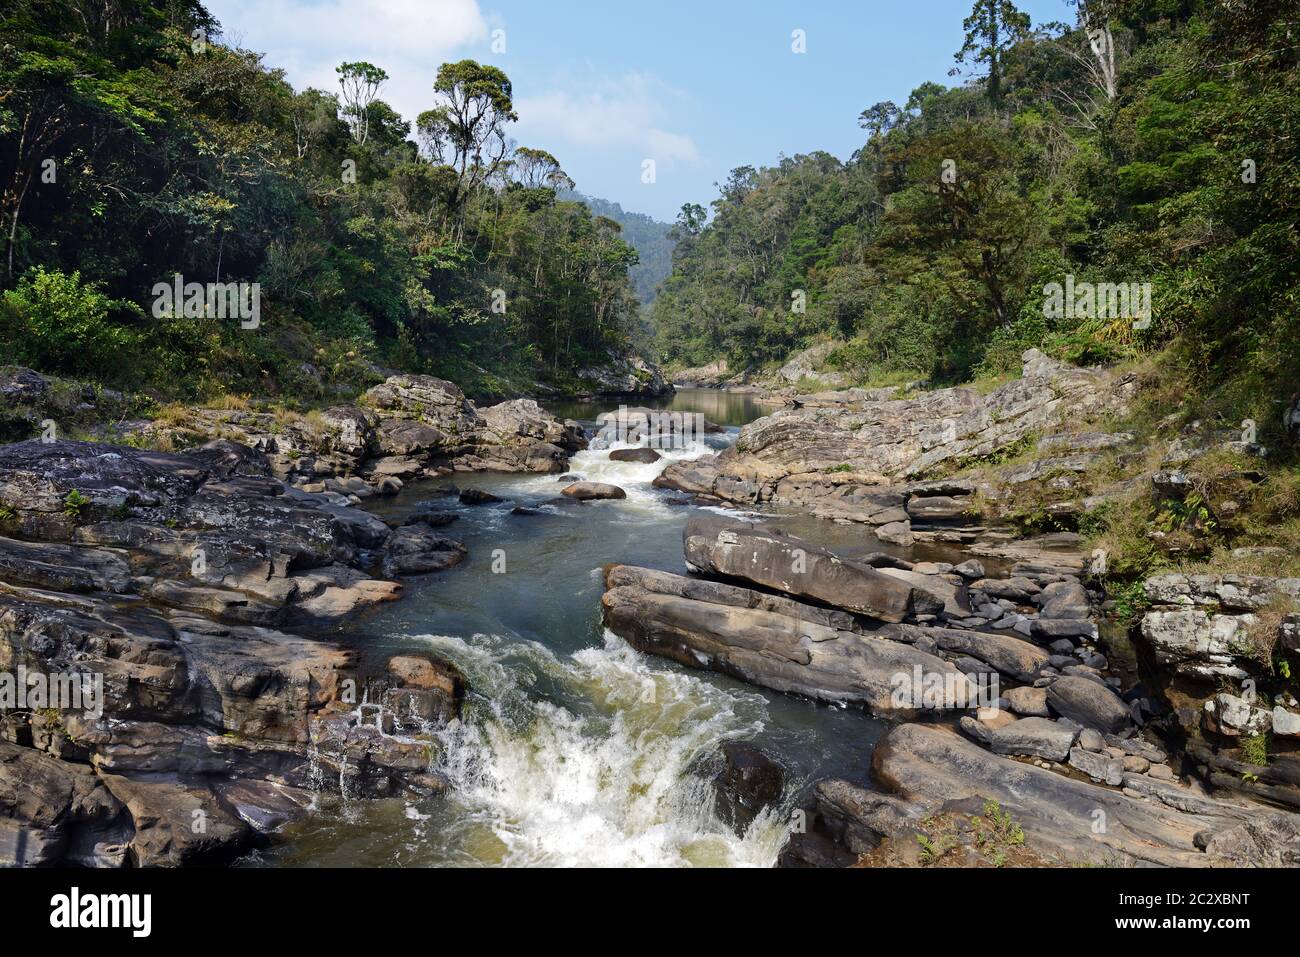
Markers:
point(575, 749)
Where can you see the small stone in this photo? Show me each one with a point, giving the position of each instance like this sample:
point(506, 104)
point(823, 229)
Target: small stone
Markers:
point(1090, 739)
point(1135, 764)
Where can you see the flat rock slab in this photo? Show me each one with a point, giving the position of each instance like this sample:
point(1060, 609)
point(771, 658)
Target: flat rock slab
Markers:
point(776, 643)
point(934, 769)
point(798, 568)
point(1034, 737)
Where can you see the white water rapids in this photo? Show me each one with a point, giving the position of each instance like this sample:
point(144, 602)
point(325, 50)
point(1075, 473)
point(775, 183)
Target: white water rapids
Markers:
point(606, 779)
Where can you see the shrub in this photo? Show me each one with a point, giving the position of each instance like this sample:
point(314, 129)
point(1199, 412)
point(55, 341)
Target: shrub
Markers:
point(56, 323)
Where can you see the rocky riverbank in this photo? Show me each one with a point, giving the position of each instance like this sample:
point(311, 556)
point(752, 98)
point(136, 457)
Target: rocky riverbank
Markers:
point(185, 592)
point(1156, 727)
point(200, 564)
point(1007, 705)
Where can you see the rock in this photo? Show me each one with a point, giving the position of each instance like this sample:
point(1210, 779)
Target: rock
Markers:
point(926, 769)
point(477, 496)
point(809, 364)
point(896, 533)
point(1231, 715)
point(1088, 702)
point(1031, 702)
point(776, 643)
point(1090, 739)
point(1195, 642)
point(1064, 600)
point(1053, 629)
point(1099, 767)
point(886, 436)
point(976, 730)
point(1019, 590)
point(423, 690)
point(56, 813)
point(708, 376)
point(641, 456)
point(178, 823)
point(591, 491)
point(1034, 737)
point(970, 569)
point(1286, 724)
point(625, 375)
point(937, 508)
point(798, 568)
point(749, 782)
point(1135, 764)
point(419, 550)
point(1010, 656)
point(63, 567)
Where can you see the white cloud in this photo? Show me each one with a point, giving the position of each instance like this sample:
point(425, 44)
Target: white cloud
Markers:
point(410, 39)
point(610, 114)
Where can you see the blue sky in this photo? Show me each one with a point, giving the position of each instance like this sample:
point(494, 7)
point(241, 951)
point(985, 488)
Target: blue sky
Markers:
point(699, 86)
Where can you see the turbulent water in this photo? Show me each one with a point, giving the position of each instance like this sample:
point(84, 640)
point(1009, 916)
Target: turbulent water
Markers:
point(574, 749)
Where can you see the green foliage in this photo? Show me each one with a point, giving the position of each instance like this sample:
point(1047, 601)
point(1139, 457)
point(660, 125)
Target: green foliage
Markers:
point(370, 246)
point(1005, 829)
point(1051, 175)
point(1254, 750)
point(73, 503)
point(55, 322)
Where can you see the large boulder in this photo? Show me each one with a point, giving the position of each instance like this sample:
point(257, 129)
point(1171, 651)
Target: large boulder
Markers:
point(417, 550)
point(874, 432)
point(1089, 702)
point(749, 782)
point(625, 375)
point(777, 643)
point(592, 491)
point(798, 568)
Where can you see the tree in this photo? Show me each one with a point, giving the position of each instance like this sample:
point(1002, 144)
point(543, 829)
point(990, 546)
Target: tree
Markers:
point(361, 83)
point(690, 221)
point(879, 119)
point(993, 27)
point(477, 104)
point(538, 169)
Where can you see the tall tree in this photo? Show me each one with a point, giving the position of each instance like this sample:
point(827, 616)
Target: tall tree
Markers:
point(993, 27)
point(476, 105)
point(361, 83)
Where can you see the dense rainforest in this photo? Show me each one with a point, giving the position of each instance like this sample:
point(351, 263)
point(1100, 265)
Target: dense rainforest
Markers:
point(1154, 141)
point(647, 235)
point(135, 147)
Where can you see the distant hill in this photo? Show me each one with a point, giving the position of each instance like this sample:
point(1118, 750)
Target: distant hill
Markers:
point(647, 235)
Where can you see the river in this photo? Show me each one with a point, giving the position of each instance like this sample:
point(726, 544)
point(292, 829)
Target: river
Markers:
point(575, 749)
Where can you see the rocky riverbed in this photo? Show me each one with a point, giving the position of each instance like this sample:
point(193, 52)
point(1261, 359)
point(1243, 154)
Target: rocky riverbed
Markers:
point(201, 565)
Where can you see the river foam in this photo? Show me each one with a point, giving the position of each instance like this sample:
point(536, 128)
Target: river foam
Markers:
point(594, 759)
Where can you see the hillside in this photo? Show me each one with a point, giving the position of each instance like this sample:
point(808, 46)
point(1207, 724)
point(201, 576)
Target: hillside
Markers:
point(948, 243)
point(650, 238)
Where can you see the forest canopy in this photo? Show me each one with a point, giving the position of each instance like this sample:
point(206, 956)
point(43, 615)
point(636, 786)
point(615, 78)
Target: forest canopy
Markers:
point(1149, 142)
point(135, 146)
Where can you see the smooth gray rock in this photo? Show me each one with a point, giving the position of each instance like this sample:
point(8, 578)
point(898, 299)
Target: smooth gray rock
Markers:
point(1099, 767)
point(801, 569)
point(1088, 702)
point(1034, 737)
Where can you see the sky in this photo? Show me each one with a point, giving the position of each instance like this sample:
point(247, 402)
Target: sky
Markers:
point(698, 86)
